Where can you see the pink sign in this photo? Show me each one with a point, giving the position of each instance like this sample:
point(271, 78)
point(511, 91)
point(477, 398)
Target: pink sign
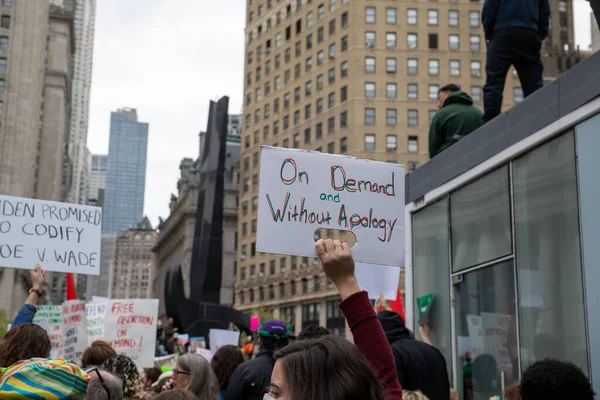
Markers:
point(254, 323)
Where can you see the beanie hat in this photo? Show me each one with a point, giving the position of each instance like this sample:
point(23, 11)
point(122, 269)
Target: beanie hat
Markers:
point(43, 378)
point(275, 329)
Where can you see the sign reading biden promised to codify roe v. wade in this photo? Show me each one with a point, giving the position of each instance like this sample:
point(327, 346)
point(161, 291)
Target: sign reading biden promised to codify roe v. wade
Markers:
point(58, 236)
point(303, 191)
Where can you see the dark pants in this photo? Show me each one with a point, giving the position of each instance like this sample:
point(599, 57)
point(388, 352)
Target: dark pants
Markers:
point(519, 47)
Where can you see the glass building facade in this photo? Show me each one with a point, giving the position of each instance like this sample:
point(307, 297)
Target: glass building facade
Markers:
point(126, 172)
point(508, 246)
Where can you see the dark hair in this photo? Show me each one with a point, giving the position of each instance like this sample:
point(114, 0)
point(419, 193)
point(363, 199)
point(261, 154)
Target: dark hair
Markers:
point(313, 332)
point(98, 352)
point(176, 394)
point(126, 370)
point(328, 368)
point(452, 87)
point(272, 345)
point(224, 362)
point(552, 379)
point(98, 390)
point(24, 342)
point(152, 374)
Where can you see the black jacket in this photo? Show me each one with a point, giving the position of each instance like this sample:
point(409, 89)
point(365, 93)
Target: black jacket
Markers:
point(251, 379)
point(531, 14)
point(419, 366)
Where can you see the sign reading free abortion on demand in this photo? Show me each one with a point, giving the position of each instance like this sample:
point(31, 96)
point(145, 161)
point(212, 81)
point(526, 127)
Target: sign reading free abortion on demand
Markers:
point(303, 191)
point(58, 236)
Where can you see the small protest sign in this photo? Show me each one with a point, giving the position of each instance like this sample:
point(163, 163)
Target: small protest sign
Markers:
point(303, 191)
point(96, 314)
point(74, 329)
point(131, 329)
point(221, 337)
point(58, 236)
point(49, 317)
point(378, 280)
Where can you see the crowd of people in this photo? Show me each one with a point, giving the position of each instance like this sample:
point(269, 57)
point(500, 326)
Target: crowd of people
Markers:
point(384, 363)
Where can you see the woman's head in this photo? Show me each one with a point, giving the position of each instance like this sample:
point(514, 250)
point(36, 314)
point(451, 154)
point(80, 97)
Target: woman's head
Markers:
point(24, 342)
point(410, 395)
point(98, 352)
point(225, 360)
point(193, 373)
point(176, 394)
point(126, 370)
point(151, 375)
point(326, 368)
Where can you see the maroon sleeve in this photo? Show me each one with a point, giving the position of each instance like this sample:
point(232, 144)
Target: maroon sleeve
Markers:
point(371, 341)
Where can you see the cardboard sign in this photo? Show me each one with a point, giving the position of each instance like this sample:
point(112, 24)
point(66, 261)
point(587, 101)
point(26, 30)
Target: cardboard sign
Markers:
point(221, 337)
point(131, 329)
point(59, 236)
point(50, 318)
point(96, 314)
point(378, 280)
point(74, 330)
point(303, 191)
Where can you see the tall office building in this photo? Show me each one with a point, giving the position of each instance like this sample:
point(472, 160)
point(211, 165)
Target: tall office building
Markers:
point(369, 91)
point(97, 180)
point(125, 172)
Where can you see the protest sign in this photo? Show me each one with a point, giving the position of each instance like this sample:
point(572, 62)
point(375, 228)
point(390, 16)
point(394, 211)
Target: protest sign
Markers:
point(50, 318)
point(221, 337)
point(74, 330)
point(57, 236)
point(131, 329)
point(495, 338)
point(96, 314)
point(378, 280)
point(303, 191)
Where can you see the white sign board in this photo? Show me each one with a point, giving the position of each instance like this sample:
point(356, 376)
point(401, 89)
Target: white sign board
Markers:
point(59, 236)
point(131, 329)
point(378, 280)
point(49, 317)
point(96, 314)
point(74, 330)
point(221, 337)
point(303, 191)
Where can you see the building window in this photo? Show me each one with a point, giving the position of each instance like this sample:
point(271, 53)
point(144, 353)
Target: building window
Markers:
point(319, 106)
point(433, 40)
point(369, 142)
point(344, 69)
point(332, 5)
point(309, 42)
point(310, 312)
point(413, 91)
point(413, 144)
point(298, 49)
point(433, 67)
point(319, 130)
point(336, 324)
point(307, 111)
point(293, 288)
point(391, 142)
point(296, 140)
point(433, 92)
point(390, 65)
point(317, 284)
point(411, 16)
point(370, 39)
point(281, 290)
point(562, 6)
point(309, 20)
point(370, 90)
point(282, 264)
point(319, 83)
point(476, 93)
point(5, 21)
point(453, 17)
point(320, 35)
point(475, 68)
point(412, 66)
point(331, 125)
point(454, 67)
point(321, 11)
point(475, 43)
point(331, 100)
point(369, 116)
point(7, 3)
point(288, 55)
point(267, 111)
point(343, 145)
point(474, 19)
point(453, 42)
point(275, 127)
point(413, 117)
point(308, 88)
point(391, 116)
point(432, 17)
point(391, 90)
point(411, 40)
point(370, 15)
point(3, 42)
point(432, 115)
point(242, 297)
point(332, 50)
point(344, 20)
point(344, 119)
point(343, 94)
point(518, 94)
point(344, 44)
point(370, 64)
point(332, 27)
point(307, 136)
point(331, 148)
point(390, 15)
point(3, 64)
point(390, 40)
point(320, 57)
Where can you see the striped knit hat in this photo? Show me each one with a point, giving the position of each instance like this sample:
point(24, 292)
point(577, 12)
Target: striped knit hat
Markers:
point(43, 378)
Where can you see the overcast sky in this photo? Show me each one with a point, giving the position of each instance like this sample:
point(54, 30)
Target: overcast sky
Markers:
point(168, 59)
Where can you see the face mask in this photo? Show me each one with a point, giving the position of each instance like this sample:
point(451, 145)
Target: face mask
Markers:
point(267, 396)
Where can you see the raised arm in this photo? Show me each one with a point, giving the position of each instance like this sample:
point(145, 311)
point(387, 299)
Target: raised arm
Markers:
point(27, 312)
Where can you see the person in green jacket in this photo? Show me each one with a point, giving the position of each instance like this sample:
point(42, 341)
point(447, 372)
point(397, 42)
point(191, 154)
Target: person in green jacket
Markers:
point(456, 118)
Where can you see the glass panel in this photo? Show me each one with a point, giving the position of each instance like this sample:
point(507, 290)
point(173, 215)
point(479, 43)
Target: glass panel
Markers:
point(486, 331)
point(548, 255)
point(431, 273)
point(480, 220)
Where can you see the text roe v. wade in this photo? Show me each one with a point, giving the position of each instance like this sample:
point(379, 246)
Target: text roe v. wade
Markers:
point(58, 236)
point(302, 191)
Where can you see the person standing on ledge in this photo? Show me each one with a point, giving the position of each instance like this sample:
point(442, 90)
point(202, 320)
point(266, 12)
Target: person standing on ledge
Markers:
point(514, 30)
point(456, 118)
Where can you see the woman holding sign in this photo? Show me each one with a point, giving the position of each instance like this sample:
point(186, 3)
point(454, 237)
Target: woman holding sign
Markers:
point(330, 367)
